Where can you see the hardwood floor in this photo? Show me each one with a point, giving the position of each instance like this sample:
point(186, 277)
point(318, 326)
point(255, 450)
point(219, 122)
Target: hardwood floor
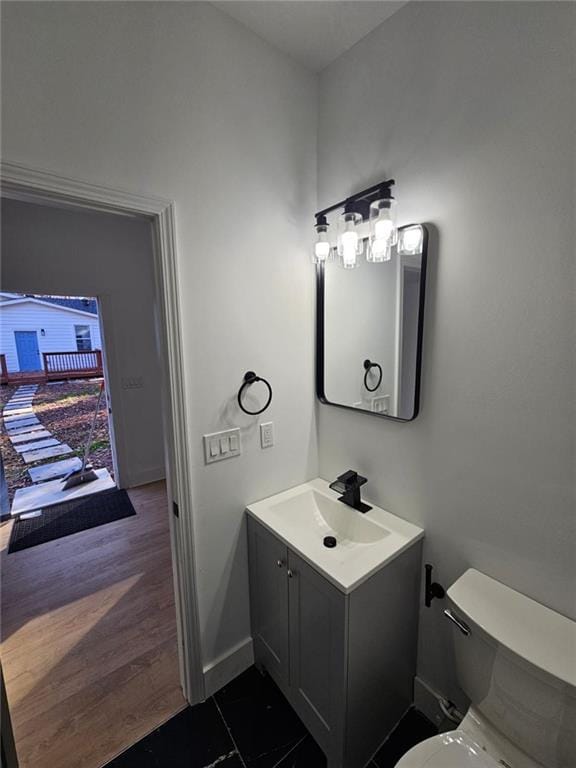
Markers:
point(89, 638)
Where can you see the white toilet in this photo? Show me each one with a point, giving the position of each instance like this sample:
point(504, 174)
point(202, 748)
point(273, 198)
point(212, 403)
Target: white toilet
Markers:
point(516, 661)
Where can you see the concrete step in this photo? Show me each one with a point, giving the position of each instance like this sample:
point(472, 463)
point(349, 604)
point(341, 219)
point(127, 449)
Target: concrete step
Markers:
point(46, 453)
point(25, 430)
point(37, 445)
point(47, 494)
point(16, 423)
point(55, 469)
point(17, 410)
point(39, 434)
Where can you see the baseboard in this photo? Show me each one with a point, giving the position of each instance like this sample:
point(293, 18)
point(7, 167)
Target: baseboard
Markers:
point(225, 668)
point(144, 476)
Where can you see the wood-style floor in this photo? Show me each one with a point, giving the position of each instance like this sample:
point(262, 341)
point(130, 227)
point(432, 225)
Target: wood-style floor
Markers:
point(89, 647)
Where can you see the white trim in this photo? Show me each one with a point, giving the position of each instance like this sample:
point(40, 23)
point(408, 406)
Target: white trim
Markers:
point(30, 185)
point(225, 668)
point(25, 299)
point(113, 396)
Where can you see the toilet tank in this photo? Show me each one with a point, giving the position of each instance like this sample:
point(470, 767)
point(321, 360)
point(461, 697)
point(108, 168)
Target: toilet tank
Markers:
point(518, 667)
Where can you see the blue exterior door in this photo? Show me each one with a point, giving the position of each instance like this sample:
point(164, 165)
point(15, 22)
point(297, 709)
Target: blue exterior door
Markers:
point(28, 352)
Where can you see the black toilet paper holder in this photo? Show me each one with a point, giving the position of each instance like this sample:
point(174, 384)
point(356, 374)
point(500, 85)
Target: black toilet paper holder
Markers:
point(433, 588)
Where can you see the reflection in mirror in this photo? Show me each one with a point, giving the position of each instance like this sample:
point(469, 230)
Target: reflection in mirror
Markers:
point(369, 332)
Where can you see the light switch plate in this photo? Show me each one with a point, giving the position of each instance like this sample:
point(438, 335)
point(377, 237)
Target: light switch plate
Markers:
point(222, 445)
point(267, 434)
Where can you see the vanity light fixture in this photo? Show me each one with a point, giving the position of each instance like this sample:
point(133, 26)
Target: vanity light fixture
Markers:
point(322, 244)
point(410, 240)
point(383, 232)
point(350, 244)
point(367, 215)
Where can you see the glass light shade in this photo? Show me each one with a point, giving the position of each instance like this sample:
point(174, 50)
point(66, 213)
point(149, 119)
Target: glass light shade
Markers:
point(410, 240)
point(350, 244)
point(322, 245)
point(383, 232)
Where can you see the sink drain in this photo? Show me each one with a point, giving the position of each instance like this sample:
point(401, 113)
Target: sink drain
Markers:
point(330, 542)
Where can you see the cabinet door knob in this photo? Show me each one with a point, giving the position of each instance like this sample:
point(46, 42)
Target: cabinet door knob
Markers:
point(290, 573)
point(279, 563)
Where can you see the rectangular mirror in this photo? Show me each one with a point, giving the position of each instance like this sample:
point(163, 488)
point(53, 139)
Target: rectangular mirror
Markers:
point(369, 330)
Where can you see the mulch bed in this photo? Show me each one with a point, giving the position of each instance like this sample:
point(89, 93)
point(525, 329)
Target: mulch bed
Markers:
point(66, 410)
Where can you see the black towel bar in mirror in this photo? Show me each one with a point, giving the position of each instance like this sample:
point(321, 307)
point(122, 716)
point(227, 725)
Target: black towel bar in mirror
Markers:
point(368, 365)
point(251, 378)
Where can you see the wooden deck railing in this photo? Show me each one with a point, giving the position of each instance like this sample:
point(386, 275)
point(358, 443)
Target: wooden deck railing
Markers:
point(3, 370)
point(71, 365)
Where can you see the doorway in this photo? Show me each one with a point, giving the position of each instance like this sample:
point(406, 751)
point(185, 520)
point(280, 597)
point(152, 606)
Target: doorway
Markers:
point(43, 189)
point(61, 420)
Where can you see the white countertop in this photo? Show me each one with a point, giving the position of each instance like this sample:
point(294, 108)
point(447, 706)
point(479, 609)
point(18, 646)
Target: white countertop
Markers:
point(302, 516)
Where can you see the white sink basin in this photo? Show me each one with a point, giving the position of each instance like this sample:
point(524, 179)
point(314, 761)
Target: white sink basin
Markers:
point(303, 516)
point(323, 516)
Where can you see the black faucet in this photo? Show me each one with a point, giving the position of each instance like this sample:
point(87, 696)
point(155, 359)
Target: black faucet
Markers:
point(348, 485)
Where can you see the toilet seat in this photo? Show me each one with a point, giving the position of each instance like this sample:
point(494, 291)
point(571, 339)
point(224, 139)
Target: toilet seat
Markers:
point(454, 749)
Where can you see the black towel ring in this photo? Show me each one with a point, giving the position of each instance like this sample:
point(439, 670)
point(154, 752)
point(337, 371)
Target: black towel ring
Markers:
point(251, 378)
point(368, 365)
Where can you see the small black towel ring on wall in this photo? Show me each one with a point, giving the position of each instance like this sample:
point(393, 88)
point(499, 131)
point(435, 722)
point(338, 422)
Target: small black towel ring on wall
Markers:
point(368, 365)
point(251, 378)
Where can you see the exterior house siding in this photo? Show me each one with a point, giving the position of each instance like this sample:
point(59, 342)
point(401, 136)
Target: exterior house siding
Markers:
point(57, 322)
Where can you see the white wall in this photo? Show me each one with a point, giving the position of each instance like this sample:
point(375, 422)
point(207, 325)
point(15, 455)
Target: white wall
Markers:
point(470, 107)
point(58, 325)
point(50, 250)
point(179, 101)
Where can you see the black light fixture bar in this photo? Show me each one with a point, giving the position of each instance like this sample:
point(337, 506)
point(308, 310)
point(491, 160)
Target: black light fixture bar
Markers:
point(364, 198)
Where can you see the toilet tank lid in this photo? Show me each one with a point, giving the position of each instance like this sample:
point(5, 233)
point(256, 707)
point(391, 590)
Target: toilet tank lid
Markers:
point(539, 635)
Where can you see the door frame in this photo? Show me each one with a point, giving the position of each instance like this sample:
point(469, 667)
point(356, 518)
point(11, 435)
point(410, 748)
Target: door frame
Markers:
point(108, 349)
point(20, 182)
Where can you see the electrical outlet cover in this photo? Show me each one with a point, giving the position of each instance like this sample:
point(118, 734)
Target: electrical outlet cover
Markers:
point(267, 434)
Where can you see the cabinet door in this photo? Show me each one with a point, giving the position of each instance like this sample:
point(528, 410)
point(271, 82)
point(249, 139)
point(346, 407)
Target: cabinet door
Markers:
point(269, 600)
point(317, 653)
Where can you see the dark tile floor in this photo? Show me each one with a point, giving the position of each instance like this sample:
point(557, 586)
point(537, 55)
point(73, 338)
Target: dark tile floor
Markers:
point(249, 724)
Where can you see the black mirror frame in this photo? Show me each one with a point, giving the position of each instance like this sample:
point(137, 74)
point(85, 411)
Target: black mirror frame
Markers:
point(320, 313)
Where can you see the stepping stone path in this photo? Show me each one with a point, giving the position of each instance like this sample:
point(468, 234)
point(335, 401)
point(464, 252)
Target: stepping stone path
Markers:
point(46, 453)
point(33, 443)
point(37, 445)
point(25, 430)
point(38, 434)
point(54, 470)
point(32, 440)
point(13, 422)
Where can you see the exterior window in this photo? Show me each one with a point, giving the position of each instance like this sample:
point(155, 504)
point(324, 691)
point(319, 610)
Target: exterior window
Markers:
point(83, 340)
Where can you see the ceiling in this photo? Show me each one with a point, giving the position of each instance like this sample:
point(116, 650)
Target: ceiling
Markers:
point(313, 32)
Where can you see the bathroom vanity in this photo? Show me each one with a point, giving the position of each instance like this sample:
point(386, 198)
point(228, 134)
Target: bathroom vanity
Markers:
point(336, 628)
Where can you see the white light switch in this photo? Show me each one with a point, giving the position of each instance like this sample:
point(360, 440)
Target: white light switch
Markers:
point(222, 445)
point(267, 434)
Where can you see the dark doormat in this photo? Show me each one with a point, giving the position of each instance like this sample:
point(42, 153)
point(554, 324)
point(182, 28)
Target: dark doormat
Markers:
point(71, 517)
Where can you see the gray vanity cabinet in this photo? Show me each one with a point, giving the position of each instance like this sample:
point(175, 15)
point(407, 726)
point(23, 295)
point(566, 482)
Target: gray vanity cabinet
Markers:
point(269, 601)
point(345, 662)
point(317, 620)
